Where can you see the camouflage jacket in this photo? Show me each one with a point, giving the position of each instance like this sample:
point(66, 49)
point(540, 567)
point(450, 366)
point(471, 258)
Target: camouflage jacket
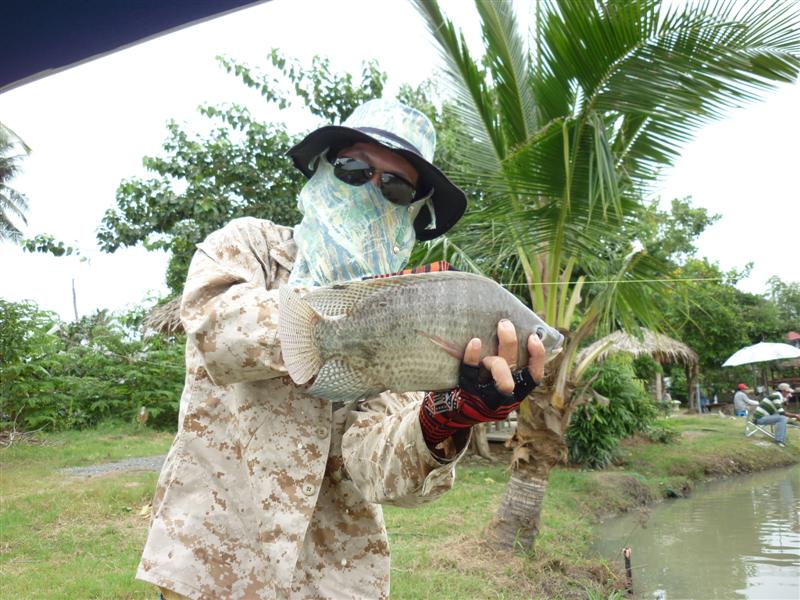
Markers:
point(267, 492)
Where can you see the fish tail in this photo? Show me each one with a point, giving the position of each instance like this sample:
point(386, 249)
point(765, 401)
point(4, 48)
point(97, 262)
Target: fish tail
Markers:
point(297, 320)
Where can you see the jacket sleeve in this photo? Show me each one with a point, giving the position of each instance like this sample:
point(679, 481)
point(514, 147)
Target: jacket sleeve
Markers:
point(386, 457)
point(227, 310)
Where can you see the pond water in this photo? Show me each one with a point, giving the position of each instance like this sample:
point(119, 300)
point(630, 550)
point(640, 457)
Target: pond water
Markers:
point(738, 538)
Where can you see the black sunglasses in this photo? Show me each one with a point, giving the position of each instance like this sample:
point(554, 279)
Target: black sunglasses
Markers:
point(356, 172)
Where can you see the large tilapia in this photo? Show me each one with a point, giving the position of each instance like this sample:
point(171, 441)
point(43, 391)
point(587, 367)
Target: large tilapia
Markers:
point(402, 333)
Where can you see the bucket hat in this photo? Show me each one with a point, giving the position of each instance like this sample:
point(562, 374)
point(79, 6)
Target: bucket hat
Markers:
point(784, 387)
point(409, 133)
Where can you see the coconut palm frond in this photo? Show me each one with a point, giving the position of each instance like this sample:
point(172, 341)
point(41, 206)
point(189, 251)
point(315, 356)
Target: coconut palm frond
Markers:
point(692, 68)
point(9, 138)
point(8, 231)
point(12, 203)
point(509, 63)
point(471, 91)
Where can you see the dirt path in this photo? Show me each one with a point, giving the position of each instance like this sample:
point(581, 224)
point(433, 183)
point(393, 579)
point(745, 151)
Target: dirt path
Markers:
point(142, 463)
point(154, 463)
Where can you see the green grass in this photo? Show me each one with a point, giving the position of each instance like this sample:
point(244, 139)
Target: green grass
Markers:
point(65, 537)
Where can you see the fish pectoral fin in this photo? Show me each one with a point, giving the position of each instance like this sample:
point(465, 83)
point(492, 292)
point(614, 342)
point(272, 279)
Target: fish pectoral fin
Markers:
point(337, 381)
point(456, 352)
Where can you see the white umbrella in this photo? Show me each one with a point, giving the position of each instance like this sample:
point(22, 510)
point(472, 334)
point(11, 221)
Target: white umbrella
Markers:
point(762, 352)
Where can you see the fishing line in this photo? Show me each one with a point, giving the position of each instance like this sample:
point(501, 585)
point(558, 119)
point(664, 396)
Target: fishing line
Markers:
point(613, 281)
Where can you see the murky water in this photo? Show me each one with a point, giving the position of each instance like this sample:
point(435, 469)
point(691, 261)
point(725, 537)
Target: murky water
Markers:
point(738, 538)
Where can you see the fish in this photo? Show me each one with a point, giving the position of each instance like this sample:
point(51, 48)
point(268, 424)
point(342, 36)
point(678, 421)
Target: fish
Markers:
point(402, 333)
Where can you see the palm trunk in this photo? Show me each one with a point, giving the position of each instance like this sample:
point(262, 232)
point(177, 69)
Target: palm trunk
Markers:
point(537, 449)
point(516, 523)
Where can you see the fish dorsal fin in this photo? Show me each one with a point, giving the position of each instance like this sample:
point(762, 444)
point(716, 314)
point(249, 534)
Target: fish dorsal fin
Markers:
point(339, 299)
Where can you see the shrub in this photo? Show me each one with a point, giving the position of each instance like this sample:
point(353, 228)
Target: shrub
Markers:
point(595, 429)
point(64, 376)
point(662, 434)
point(646, 367)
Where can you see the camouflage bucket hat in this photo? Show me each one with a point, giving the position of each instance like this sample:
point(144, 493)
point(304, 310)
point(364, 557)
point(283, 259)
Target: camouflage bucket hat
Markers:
point(409, 133)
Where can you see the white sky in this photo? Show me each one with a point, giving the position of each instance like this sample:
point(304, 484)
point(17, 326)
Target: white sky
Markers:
point(90, 126)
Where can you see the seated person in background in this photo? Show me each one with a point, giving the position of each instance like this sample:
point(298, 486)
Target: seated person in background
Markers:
point(741, 401)
point(786, 394)
point(770, 411)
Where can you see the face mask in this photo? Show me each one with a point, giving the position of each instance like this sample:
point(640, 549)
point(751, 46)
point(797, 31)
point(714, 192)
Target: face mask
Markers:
point(349, 232)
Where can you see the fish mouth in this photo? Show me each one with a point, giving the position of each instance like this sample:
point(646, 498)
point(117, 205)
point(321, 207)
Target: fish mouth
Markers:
point(551, 355)
point(551, 338)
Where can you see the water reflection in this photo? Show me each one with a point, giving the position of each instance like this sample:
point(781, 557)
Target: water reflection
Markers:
point(738, 538)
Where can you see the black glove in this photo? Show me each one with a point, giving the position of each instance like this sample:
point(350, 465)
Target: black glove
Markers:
point(444, 413)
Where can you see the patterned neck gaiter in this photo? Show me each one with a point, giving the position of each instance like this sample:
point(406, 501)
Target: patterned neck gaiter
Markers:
point(349, 232)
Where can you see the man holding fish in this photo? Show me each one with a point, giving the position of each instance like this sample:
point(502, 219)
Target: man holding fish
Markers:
point(318, 388)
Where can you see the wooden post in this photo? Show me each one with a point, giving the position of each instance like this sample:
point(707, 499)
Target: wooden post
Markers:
point(659, 393)
point(626, 552)
point(480, 441)
point(74, 300)
point(692, 374)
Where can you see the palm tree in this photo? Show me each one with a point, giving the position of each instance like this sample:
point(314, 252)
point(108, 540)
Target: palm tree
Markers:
point(564, 129)
point(12, 202)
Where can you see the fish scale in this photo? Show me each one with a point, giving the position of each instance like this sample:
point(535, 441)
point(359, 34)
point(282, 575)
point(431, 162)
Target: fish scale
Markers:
point(402, 333)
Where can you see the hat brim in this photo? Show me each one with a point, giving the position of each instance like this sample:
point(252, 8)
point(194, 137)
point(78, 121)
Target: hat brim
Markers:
point(449, 202)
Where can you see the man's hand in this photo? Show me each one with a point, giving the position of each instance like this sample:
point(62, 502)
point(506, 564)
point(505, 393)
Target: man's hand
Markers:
point(502, 365)
point(443, 414)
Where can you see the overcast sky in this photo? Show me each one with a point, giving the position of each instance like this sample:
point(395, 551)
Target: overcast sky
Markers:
point(90, 126)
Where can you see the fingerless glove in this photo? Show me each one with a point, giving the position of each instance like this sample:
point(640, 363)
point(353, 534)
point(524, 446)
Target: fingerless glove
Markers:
point(442, 414)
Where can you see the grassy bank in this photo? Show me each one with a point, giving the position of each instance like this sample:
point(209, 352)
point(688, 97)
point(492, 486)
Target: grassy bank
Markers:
point(67, 537)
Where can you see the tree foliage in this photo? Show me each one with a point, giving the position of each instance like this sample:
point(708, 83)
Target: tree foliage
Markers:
point(715, 318)
point(671, 235)
point(71, 375)
point(47, 244)
point(566, 130)
point(705, 308)
point(596, 428)
point(786, 296)
point(13, 204)
point(566, 123)
point(239, 168)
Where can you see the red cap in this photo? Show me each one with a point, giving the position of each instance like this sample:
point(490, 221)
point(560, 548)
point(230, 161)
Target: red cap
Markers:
point(742, 386)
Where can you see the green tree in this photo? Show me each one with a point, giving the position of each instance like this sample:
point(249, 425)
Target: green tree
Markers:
point(672, 235)
point(13, 204)
point(623, 407)
point(202, 181)
point(716, 318)
point(71, 375)
point(564, 130)
point(711, 315)
point(786, 296)
point(707, 310)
